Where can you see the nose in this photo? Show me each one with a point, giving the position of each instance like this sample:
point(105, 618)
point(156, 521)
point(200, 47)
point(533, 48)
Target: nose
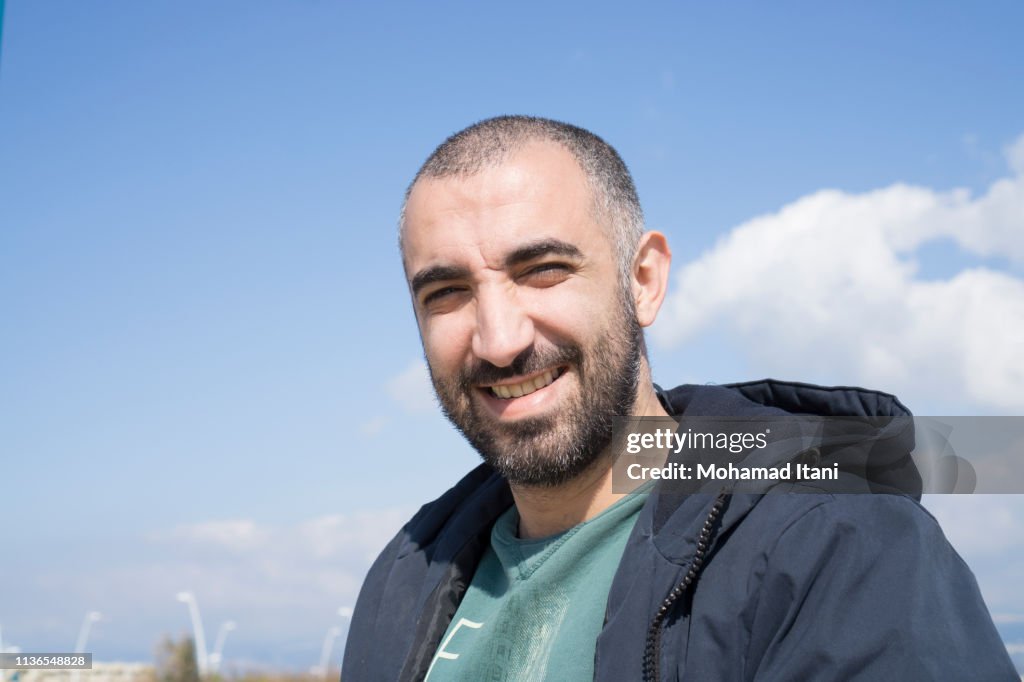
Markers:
point(503, 327)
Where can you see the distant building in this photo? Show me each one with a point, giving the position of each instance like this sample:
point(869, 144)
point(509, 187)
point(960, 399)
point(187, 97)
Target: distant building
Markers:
point(101, 672)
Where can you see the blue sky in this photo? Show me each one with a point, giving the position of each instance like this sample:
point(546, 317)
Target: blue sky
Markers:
point(211, 372)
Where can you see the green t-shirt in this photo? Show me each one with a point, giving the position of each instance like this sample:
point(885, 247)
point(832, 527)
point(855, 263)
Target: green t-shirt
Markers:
point(535, 607)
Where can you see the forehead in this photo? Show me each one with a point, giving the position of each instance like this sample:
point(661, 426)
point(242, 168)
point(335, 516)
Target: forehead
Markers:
point(540, 192)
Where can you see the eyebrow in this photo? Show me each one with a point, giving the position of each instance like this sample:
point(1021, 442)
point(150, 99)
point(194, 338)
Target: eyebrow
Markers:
point(543, 247)
point(436, 273)
point(523, 254)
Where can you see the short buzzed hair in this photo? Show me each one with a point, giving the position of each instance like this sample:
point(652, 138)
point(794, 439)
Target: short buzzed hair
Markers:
point(490, 142)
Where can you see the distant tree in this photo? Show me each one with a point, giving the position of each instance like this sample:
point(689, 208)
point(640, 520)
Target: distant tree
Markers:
point(176, 661)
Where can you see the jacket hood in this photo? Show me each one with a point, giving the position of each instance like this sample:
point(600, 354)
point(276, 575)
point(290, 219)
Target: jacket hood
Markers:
point(868, 434)
point(770, 397)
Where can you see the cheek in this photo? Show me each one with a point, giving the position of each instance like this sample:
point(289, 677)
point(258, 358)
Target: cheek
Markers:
point(447, 340)
point(571, 313)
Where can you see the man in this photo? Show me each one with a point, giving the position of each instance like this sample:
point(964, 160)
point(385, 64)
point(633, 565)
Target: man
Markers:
point(532, 278)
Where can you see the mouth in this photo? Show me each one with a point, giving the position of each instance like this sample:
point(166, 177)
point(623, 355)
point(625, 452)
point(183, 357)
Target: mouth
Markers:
point(524, 387)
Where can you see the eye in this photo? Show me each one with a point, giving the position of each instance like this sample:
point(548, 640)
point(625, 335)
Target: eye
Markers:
point(436, 297)
point(547, 274)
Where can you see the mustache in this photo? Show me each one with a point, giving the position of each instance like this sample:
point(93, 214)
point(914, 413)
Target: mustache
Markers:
point(529, 361)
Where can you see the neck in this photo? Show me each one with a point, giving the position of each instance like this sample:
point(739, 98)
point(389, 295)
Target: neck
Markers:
point(547, 511)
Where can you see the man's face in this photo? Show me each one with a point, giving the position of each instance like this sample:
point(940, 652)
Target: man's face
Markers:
point(531, 340)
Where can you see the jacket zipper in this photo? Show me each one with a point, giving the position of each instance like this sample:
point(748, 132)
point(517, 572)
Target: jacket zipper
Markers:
point(652, 646)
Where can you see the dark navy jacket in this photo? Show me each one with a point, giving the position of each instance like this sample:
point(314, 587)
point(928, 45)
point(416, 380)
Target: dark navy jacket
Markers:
point(726, 587)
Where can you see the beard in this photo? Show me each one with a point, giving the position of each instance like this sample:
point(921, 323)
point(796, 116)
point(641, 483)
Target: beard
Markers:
point(549, 450)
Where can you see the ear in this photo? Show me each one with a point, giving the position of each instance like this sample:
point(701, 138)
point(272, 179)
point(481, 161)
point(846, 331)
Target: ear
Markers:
point(650, 276)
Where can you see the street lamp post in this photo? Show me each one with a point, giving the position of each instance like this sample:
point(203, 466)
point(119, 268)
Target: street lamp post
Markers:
point(346, 613)
point(325, 652)
point(218, 647)
point(83, 638)
point(197, 629)
point(83, 632)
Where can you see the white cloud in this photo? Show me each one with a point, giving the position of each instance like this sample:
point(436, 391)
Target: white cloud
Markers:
point(412, 388)
point(986, 530)
point(232, 534)
point(285, 582)
point(373, 426)
point(360, 535)
point(282, 583)
point(961, 517)
point(1015, 155)
point(281, 570)
point(829, 284)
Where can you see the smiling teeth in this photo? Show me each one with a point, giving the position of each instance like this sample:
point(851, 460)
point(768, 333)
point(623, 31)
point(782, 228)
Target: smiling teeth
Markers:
point(526, 387)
